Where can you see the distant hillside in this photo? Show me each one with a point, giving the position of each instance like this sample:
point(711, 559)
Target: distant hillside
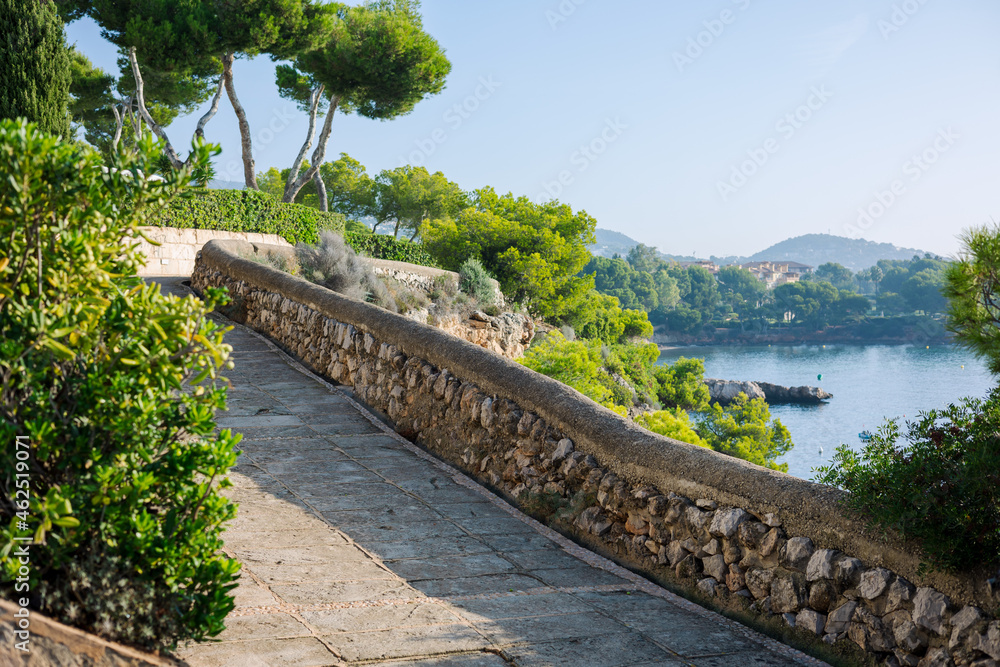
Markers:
point(611, 243)
point(816, 249)
point(811, 249)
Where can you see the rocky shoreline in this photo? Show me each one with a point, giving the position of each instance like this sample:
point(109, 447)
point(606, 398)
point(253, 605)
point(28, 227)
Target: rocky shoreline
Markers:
point(725, 391)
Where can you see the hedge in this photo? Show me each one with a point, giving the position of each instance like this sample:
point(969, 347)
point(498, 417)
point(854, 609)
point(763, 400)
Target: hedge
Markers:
point(249, 211)
point(382, 246)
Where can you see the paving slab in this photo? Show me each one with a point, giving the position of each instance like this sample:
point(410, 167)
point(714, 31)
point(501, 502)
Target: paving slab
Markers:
point(358, 547)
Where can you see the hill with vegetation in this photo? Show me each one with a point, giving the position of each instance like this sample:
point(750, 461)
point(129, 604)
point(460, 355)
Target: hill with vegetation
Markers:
point(812, 249)
point(818, 249)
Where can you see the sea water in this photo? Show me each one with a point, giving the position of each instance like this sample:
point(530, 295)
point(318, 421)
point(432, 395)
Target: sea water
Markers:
point(869, 383)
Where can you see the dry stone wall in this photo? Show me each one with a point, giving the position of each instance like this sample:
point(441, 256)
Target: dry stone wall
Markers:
point(749, 537)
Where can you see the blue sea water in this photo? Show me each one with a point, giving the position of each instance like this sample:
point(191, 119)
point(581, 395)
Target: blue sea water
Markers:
point(869, 383)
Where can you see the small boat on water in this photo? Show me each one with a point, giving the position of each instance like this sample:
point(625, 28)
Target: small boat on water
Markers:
point(865, 436)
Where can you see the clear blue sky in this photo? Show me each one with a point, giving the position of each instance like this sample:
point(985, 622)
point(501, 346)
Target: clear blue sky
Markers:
point(824, 105)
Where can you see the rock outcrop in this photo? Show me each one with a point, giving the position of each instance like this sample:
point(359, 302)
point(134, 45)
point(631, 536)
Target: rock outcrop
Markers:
point(725, 391)
point(507, 333)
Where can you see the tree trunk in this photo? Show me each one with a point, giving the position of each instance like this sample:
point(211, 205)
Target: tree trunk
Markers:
point(249, 175)
point(175, 160)
point(318, 155)
point(324, 203)
point(314, 98)
point(203, 121)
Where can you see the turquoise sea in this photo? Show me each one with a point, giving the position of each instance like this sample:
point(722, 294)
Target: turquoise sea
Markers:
point(869, 383)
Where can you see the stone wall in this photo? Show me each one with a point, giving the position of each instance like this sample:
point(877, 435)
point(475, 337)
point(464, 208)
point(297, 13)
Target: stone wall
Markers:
point(174, 256)
point(749, 537)
point(52, 643)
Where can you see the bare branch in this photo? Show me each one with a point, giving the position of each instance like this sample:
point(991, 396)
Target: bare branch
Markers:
point(203, 121)
point(318, 155)
point(314, 98)
point(175, 160)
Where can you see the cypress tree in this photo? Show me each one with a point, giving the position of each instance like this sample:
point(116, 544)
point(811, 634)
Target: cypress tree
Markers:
point(34, 65)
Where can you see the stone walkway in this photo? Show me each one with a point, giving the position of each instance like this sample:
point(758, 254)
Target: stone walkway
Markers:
point(357, 547)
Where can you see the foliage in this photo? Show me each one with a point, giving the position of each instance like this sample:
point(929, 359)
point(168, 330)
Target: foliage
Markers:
point(836, 274)
point(334, 265)
point(380, 246)
point(672, 424)
point(940, 485)
point(599, 317)
point(972, 285)
point(475, 281)
point(379, 60)
point(35, 76)
point(577, 364)
point(410, 196)
point(744, 429)
point(741, 290)
point(91, 99)
point(918, 280)
point(249, 211)
point(113, 388)
point(816, 304)
point(534, 250)
point(652, 291)
point(351, 190)
point(682, 385)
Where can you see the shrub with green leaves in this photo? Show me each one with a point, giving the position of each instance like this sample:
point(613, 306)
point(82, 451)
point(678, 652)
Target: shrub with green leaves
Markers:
point(474, 280)
point(111, 387)
point(382, 246)
point(249, 211)
point(673, 424)
point(938, 483)
point(682, 384)
point(744, 429)
point(576, 363)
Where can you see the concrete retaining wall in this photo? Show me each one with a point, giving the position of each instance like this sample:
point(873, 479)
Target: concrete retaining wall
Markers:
point(751, 537)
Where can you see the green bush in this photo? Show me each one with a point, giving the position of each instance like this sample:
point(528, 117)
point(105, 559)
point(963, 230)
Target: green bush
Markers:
point(940, 485)
point(682, 384)
point(382, 246)
point(474, 280)
point(744, 429)
point(672, 424)
point(35, 76)
point(249, 211)
point(107, 395)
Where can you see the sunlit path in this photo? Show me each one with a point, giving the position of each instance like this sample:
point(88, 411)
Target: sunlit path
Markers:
point(358, 547)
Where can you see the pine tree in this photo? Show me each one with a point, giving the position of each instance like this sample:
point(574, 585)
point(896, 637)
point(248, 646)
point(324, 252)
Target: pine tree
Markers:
point(34, 65)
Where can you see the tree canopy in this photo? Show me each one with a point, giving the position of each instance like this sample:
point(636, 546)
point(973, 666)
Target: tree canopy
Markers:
point(972, 285)
point(534, 250)
point(378, 62)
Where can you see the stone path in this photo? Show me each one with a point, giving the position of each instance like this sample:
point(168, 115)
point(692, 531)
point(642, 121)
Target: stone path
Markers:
point(357, 547)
